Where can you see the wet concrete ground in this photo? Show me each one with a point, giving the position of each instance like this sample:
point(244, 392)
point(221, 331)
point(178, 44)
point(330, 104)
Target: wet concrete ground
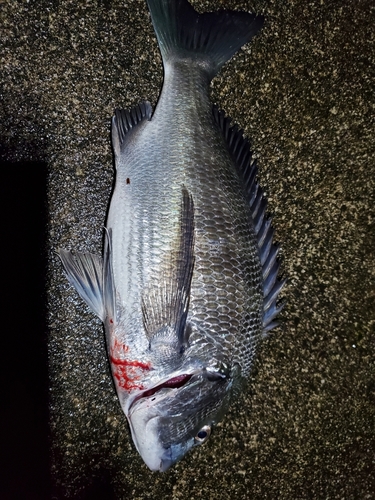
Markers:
point(304, 93)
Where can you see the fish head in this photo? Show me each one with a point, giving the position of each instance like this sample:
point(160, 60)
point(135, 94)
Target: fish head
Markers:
point(177, 414)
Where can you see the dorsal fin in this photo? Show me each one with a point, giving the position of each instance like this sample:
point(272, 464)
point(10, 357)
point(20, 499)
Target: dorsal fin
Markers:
point(125, 120)
point(240, 150)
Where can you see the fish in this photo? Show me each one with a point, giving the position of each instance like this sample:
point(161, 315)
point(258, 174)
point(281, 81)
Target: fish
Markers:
point(188, 283)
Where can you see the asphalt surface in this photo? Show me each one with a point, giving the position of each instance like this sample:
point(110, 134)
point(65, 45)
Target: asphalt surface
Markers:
point(303, 91)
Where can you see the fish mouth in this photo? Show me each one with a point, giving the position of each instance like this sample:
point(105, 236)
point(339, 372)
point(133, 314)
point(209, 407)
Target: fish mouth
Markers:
point(172, 383)
point(177, 381)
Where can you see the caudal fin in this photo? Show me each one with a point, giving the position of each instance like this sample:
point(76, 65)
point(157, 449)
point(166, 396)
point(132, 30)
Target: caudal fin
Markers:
point(208, 39)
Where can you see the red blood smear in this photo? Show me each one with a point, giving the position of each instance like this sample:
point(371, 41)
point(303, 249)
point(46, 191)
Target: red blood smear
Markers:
point(125, 362)
point(127, 372)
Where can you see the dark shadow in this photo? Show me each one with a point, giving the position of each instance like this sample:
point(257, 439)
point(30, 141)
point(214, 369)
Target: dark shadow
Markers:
point(93, 485)
point(99, 489)
point(24, 388)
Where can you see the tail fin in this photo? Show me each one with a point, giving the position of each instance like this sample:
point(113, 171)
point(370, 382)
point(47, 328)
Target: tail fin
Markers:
point(210, 39)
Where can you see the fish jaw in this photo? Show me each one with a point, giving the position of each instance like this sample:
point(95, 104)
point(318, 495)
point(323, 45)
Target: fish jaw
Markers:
point(144, 431)
point(164, 421)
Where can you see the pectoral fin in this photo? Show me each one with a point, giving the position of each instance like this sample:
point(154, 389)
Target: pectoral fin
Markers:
point(166, 302)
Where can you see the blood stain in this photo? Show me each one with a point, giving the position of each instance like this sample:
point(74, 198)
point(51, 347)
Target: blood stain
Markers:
point(127, 372)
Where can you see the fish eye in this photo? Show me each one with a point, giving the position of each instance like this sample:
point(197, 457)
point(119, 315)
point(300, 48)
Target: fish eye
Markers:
point(203, 435)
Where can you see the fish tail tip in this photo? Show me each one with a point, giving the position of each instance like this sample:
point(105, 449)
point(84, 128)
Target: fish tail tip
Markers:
point(213, 37)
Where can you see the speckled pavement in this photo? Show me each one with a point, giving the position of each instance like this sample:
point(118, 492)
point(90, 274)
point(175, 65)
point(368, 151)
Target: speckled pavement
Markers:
point(304, 93)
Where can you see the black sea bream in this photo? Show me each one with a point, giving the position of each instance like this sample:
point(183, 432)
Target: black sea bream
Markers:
point(188, 284)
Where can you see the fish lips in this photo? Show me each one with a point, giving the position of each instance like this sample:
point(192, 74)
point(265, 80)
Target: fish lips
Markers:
point(165, 419)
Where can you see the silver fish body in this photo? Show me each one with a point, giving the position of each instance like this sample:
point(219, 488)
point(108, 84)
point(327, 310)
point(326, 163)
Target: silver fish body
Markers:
point(188, 281)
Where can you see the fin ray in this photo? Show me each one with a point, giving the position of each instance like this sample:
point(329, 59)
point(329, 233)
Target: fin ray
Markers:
point(126, 120)
point(209, 39)
point(165, 307)
point(109, 293)
point(240, 150)
point(85, 273)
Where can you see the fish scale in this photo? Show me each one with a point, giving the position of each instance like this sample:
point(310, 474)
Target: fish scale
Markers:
point(222, 219)
point(188, 281)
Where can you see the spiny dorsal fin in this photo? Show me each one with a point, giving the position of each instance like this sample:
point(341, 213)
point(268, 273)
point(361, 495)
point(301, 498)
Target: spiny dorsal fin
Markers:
point(125, 120)
point(165, 306)
point(240, 150)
